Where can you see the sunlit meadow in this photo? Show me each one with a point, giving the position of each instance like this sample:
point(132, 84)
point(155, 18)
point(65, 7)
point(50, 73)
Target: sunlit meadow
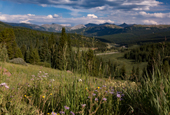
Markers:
point(36, 90)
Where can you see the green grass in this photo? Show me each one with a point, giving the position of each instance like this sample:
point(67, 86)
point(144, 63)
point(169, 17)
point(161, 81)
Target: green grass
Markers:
point(120, 60)
point(36, 90)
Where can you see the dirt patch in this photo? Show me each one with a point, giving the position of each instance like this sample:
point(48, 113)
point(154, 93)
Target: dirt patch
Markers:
point(5, 72)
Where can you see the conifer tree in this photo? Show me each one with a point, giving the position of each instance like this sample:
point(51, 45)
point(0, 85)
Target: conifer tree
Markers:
point(62, 48)
point(8, 37)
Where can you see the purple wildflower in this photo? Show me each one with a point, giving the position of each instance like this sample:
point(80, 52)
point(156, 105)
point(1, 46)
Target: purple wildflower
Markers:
point(62, 112)
point(118, 95)
point(89, 97)
point(96, 99)
point(111, 92)
point(123, 95)
point(72, 113)
point(83, 105)
point(96, 90)
point(94, 94)
point(112, 89)
point(66, 107)
point(104, 86)
point(104, 99)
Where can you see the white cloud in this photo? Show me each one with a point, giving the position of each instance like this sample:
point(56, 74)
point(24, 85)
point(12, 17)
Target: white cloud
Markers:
point(49, 16)
point(91, 16)
point(55, 15)
point(3, 18)
point(65, 24)
point(150, 22)
point(25, 21)
point(31, 14)
point(158, 15)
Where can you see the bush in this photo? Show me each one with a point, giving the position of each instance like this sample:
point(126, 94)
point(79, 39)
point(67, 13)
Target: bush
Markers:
point(18, 61)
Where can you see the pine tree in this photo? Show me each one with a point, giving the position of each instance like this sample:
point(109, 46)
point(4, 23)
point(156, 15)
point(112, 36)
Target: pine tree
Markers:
point(34, 57)
point(3, 53)
point(62, 48)
point(24, 50)
point(8, 37)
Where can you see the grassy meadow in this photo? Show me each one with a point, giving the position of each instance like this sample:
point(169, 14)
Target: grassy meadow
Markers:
point(121, 61)
point(36, 90)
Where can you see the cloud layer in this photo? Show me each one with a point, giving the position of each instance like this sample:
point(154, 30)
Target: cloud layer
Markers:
point(94, 11)
point(88, 4)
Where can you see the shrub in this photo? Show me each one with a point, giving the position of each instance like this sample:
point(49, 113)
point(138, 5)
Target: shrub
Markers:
point(18, 61)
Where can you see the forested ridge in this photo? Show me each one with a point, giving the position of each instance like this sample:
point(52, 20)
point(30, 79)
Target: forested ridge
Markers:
point(55, 50)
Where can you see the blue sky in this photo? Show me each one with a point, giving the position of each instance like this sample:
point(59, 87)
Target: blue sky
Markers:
point(74, 12)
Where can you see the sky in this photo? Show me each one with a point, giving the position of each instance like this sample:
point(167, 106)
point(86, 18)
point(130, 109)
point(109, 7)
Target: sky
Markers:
point(75, 12)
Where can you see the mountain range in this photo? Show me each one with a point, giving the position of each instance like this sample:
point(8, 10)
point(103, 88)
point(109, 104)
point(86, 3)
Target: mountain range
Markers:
point(57, 27)
point(107, 32)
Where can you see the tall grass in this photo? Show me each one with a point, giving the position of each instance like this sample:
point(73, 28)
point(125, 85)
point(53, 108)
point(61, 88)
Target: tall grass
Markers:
point(33, 91)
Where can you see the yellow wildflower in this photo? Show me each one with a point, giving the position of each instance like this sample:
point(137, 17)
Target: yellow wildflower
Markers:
point(25, 95)
point(98, 87)
point(50, 93)
point(86, 88)
point(43, 96)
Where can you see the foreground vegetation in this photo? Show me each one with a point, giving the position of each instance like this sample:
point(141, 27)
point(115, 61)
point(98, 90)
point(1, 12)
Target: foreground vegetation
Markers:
point(33, 91)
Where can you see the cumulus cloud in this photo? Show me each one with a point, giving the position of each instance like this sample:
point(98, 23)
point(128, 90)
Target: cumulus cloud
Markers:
point(157, 15)
point(49, 16)
point(55, 15)
point(150, 22)
point(91, 16)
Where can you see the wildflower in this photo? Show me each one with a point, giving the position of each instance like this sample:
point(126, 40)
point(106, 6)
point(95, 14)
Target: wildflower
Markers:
point(53, 113)
point(123, 95)
point(104, 99)
point(83, 105)
point(96, 99)
point(104, 86)
point(96, 90)
point(43, 96)
point(33, 75)
point(72, 113)
point(94, 94)
point(4, 84)
point(25, 95)
point(118, 95)
point(112, 89)
point(89, 97)
point(111, 92)
point(66, 107)
point(50, 93)
point(86, 88)
point(98, 87)
point(80, 80)
point(62, 112)
point(48, 113)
